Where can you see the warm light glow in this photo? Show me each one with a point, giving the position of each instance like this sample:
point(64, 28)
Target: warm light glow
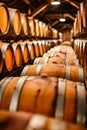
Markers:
point(62, 19)
point(55, 3)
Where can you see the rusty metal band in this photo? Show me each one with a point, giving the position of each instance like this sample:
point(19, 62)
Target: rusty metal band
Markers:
point(67, 76)
point(81, 104)
point(60, 98)
point(37, 122)
point(46, 60)
point(25, 70)
point(38, 69)
point(3, 87)
point(15, 97)
point(81, 74)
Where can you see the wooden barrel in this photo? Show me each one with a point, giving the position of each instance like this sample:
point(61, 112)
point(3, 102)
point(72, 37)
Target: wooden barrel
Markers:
point(65, 53)
point(42, 60)
point(75, 46)
point(50, 96)
point(12, 22)
point(56, 59)
point(31, 26)
point(75, 27)
point(73, 73)
point(37, 49)
point(41, 28)
point(4, 18)
point(47, 45)
point(24, 25)
point(79, 21)
point(37, 30)
point(40, 48)
point(51, 44)
point(17, 54)
point(8, 55)
point(56, 43)
point(44, 46)
point(44, 30)
point(27, 121)
point(83, 8)
point(1, 61)
point(31, 49)
point(53, 52)
point(80, 52)
point(25, 52)
point(85, 61)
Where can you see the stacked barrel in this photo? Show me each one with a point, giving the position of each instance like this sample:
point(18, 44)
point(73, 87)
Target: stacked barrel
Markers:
point(20, 38)
point(53, 86)
point(51, 90)
point(80, 47)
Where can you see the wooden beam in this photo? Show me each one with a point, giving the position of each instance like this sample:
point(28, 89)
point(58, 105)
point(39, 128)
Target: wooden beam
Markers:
point(75, 4)
point(39, 9)
point(51, 16)
point(12, 3)
point(56, 22)
point(27, 1)
point(70, 16)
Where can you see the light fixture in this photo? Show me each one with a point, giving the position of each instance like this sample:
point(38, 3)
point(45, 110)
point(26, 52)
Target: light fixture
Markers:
point(55, 3)
point(62, 19)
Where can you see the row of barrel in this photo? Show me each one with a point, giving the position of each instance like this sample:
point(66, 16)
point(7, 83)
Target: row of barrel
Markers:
point(16, 54)
point(80, 48)
point(80, 24)
point(43, 87)
point(59, 62)
point(13, 23)
point(62, 62)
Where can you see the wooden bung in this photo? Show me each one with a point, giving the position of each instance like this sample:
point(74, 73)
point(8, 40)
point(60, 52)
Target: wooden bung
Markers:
point(59, 98)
